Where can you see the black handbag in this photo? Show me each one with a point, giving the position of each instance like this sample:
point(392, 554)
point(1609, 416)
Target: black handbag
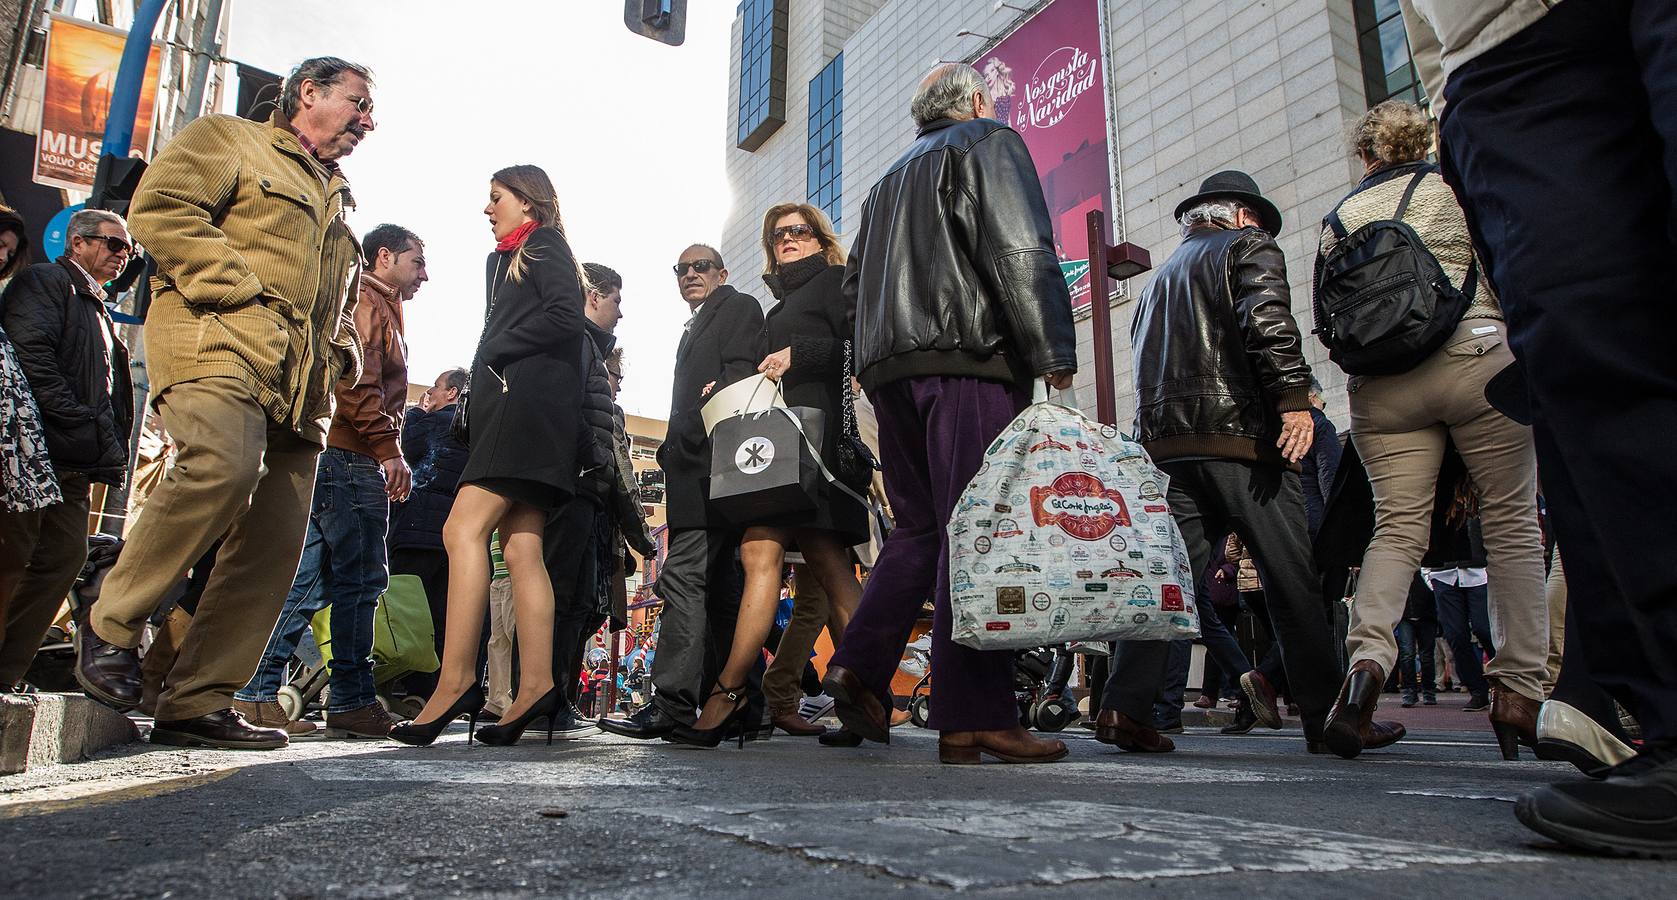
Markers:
point(856, 463)
point(460, 429)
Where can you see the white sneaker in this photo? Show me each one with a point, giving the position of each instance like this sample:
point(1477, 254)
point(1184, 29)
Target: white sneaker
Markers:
point(816, 707)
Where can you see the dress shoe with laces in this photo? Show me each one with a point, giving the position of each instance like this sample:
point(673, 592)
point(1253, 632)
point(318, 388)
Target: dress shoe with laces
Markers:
point(223, 729)
point(650, 723)
point(1632, 812)
point(1265, 707)
point(108, 673)
point(857, 706)
point(272, 715)
point(370, 721)
point(1012, 745)
point(1121, 731)
point(789, 721)
point(569, 725)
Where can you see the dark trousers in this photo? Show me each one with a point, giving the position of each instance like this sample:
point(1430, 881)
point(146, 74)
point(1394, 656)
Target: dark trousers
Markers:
point(1562, 144)
point(571, 554)
point(1417, 641)
point(46, 549)
point(1464, 614)
point(932, 434)
point(701, 594)
point(1264, 505)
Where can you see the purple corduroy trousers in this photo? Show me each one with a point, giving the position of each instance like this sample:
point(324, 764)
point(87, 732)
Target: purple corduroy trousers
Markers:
point(933, 431)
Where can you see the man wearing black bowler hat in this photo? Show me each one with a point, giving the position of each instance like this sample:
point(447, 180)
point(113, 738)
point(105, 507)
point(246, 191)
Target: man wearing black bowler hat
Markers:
point(1223, 407)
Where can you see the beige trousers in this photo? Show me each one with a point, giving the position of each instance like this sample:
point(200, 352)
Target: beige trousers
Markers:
point(810, 612)
point(1557, 623)
point(1400, 424)
point(501, 633)
point(239, 475)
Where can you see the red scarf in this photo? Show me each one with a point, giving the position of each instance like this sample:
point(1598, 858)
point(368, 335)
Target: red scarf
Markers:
point(511, 241)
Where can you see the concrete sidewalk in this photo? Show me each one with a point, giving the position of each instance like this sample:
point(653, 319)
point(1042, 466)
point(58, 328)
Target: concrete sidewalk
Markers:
point(48, 729)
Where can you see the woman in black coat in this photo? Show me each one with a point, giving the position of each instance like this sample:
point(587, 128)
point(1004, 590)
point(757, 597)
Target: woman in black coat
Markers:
point(803, 342)
point(523, 415)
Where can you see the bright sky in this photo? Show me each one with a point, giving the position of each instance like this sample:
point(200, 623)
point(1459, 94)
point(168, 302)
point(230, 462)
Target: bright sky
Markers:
point(630, 130)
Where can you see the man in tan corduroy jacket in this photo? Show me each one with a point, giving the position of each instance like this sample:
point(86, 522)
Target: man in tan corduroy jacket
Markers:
point(251, 325)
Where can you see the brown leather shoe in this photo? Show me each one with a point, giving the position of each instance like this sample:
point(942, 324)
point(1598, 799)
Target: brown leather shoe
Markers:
point(1350, 728)
point(370, 721)
point(272, 715)
point(1261, 694)
point(789, 721)
point(1514, 720)
point(108, 673)
point(223, 729)
point(856, 705)
point(1013, 745)
point(1115, 728)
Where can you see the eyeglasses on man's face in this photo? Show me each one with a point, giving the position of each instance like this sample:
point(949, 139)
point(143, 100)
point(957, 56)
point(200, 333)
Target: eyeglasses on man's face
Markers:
point(363, 105)
point(698, 265)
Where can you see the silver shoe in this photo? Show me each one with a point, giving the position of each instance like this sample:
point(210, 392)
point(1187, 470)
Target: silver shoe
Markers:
point(1564, 733)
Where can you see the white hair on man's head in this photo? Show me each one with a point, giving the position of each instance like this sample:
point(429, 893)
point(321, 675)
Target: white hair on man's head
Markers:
point(1218, 211)
point(86, 222)
point(947, 93)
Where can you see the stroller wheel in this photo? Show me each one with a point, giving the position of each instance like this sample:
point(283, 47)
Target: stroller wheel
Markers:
point(920, 710)
point(1053, 715)
point(291, 700)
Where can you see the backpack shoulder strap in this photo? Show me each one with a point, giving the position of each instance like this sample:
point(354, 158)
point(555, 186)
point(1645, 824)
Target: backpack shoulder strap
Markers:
point(1333, 222)
point(1409, 192)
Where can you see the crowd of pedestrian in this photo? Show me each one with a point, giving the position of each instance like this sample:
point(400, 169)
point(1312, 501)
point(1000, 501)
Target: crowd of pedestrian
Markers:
point(1483, 308)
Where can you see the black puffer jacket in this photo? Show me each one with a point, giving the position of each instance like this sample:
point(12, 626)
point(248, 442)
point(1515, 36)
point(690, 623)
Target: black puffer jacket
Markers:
point(77, 369)
point(953, 270)
point(437, 458)
point(596, 461)
point(1218, 356)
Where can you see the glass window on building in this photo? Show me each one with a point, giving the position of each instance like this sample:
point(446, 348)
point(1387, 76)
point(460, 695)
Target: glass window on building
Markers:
point(762, 106)
point(826, 139)
point(1388, 67)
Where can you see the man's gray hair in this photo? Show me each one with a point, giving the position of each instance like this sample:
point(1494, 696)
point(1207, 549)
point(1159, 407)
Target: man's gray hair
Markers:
point(325, 71)
point(86, 222)
point(1218, 211)
point(949, 91)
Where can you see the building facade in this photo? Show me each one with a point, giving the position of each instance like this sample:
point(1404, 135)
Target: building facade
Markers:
point(820, 90)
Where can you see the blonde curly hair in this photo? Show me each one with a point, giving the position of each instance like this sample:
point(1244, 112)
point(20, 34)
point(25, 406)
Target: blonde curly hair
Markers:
point(1392, 133)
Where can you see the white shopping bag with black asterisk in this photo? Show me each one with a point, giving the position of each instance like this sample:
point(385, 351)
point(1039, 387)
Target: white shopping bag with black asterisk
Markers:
point(1064, 535)
point(764, 465)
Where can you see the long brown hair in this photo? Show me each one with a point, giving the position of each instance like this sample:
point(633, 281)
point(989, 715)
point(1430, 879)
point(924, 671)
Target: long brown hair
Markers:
point(11, 221)
point(531, 184)
point(817, 220)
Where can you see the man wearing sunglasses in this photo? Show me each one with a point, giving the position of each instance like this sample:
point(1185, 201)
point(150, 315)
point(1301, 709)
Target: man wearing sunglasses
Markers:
point(77, 369)
point(718, 347)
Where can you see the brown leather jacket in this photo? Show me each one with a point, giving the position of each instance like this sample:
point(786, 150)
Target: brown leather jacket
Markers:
point(369, 415)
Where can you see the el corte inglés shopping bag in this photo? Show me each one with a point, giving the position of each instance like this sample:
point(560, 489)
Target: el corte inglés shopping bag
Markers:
point(1064, 535)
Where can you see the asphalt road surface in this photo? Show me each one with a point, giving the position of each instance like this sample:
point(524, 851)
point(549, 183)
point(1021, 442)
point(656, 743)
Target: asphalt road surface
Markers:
point(610, 817)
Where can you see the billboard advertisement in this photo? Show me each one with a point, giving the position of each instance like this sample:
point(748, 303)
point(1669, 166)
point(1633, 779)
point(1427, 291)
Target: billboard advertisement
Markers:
point(1048, 78)
point(81, 66)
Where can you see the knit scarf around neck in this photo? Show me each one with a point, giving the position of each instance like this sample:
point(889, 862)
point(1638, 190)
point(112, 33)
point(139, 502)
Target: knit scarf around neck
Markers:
point(518, 236)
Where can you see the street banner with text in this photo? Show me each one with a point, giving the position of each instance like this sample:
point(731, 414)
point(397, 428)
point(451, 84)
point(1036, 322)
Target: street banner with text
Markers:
point(1048, 78)
point(81, 65)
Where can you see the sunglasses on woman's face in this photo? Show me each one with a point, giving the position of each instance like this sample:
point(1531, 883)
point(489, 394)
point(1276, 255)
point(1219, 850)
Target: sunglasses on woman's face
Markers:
point(698, 265)
point(796, 232)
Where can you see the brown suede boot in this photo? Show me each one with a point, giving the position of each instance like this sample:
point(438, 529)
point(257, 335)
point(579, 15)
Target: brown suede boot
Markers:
point(272, 715)
point(370, 721)
point(1013, 745)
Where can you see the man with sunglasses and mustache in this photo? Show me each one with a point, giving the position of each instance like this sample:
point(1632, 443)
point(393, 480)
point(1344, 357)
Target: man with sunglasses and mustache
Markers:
point(718, 347)
point(77, 368)
point(251, 326)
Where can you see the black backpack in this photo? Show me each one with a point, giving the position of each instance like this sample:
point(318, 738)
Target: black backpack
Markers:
point(1382, 301)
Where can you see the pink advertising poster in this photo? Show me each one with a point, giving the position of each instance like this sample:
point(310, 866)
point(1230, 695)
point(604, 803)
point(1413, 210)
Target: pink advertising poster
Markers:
point(1049, 82)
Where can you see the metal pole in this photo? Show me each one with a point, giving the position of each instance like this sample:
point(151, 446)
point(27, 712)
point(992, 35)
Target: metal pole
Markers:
point(205, 51)
point(125, 96)
point(1100, 320)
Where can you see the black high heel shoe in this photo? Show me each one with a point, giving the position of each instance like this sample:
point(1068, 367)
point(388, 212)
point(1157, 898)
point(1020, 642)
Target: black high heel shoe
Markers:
point(506, 732)
point(711, 737)
point(423, 734)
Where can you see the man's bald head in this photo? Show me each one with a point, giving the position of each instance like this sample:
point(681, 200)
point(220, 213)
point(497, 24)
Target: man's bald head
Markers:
point(952, 91)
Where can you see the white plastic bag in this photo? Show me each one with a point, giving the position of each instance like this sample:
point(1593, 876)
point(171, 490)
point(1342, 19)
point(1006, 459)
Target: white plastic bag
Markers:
point(1064, 535)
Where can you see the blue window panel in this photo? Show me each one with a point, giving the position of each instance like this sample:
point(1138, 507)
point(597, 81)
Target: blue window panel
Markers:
point(762, 104)
point(826, 128)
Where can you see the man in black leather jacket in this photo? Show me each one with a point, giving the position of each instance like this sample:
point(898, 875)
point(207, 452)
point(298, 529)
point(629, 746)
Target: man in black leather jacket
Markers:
point(1222, 406)
point(959, 304)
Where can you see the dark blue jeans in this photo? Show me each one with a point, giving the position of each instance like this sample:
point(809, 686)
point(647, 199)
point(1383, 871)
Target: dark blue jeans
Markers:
point(1416, 639)
point(1464, 614)
point(343, 565)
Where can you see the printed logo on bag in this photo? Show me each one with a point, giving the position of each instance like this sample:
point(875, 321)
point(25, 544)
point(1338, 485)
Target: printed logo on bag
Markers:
point(754, 455)
point(1070, 431)
point(971, 503)
point(1048, 465)
point(1082, 506)
point(981, 544)
point(1170, 598)
point(1109, 432)
point(1140, 618)
point(1008, 528)
point(1089, 461)
point(1162, 529)
point(1150, 490)
point(1040, 601)
point(1003, 507)
point(1010, 601)
point(997, 626)
point(1094, 617)
point(1056, 540)
point(1059, 581)
point(1061, 616)
point(1182, 621)
point(985, 524)
point(1048, 443)
point(1156, 507)
point(1085, 574)
point(1079, 553)
point(1141, 601)
point(1096, 586)
point(1079, 600)
point(1118, 543)
point(1142, 591)
point(981, 568)
point(1018, 566)
point(1120, 571)
point(984, 467)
